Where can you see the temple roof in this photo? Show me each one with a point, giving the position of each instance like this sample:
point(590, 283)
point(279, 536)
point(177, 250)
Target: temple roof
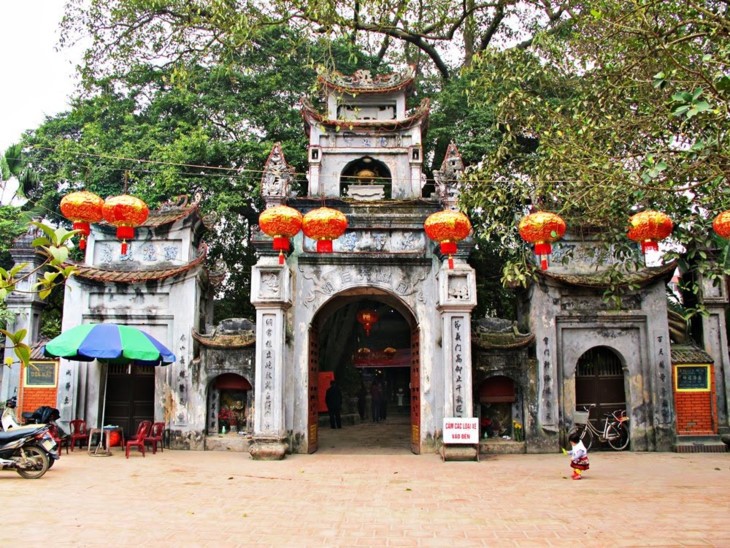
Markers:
point(240, 340)
point(174, 210)
point(598, 280)
point(689, 353)
point(362, 82)
point(137, 274)
point(230, 333)
point(497, 333)
point(313, 116)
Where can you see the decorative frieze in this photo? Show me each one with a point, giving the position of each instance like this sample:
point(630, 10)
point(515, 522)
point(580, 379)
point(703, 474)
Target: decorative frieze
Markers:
point(327, 282)
point(146, 253)
point(594, 303)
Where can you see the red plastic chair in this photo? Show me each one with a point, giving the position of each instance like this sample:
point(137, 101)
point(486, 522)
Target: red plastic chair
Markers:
point(79, 432)
point(155, 436)
point(60, 439)
point(139, 438)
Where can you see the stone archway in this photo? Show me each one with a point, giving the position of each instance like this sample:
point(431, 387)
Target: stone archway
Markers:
point(229, 402)
point(387, 356)
point(599, 380)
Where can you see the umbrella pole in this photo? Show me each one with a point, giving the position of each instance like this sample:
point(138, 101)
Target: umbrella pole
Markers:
point(100, 447)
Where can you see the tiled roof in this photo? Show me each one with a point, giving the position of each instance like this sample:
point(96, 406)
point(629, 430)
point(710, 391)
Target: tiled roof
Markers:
point(139, 275)
point(172, 211)
point(362, 81)
point(312, 116)
point(689, 353)
point(239, 340)
point(597, 280)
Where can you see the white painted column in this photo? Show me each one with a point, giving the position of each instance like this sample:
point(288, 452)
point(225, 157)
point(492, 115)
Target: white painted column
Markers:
point(271, 295)
point(457, 298)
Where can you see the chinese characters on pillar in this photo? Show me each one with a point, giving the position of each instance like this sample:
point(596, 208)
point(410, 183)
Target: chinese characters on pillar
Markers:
point(457, 332)
point(268, 372)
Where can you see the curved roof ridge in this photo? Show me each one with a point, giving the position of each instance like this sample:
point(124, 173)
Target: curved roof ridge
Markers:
point(641, 277)
point(313, 116)
point(362, 81)
point(138, 275)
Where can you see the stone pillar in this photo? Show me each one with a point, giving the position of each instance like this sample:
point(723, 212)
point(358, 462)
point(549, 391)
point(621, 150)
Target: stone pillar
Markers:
point(26, 306)
point(457, 298)
point(714, 330)
point(271, 295)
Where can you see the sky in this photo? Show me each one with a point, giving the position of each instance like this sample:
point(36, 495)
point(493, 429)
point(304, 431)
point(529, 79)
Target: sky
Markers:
point(35, 79)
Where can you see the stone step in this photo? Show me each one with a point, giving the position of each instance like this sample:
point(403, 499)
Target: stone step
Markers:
point(699, 444)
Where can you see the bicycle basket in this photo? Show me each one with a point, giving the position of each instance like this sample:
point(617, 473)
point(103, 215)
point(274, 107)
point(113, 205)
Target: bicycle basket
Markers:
point(581, 417)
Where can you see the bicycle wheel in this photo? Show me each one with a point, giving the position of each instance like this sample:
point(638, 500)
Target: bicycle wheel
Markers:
point(586, 437)
point(618, 436)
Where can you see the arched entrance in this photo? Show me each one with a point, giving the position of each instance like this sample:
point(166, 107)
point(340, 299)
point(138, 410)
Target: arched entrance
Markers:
point(500, 409)
point(228, 404)
point(366, 179)
point(599, 380)
point(376, 365)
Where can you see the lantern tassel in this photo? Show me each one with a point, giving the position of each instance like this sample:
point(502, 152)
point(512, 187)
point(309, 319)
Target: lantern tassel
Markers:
point(82, 242)
point(281, 257)
point(451, 262)
point(124, 247)
point(543, 262)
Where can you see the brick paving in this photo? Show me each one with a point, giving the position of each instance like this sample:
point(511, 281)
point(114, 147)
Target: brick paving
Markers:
point(348, 495)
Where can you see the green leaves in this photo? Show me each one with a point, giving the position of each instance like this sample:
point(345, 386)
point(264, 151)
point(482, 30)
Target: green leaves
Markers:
point(689, 104)
point(21, 349)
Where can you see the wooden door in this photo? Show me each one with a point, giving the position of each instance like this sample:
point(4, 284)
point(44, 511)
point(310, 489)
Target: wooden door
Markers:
point(599, 380)
point(415, 392)
point(130, 396)
point(313, 391)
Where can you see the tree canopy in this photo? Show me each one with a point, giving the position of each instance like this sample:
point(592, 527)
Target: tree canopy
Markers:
point(626, 109)
point(594, 109)
point(441, 35)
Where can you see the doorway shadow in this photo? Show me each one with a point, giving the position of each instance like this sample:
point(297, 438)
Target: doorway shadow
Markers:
point(390, 437)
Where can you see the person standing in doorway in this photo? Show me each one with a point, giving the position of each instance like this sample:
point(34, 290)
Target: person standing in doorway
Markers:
point(333, 399)
point(361, 397)
point(376, 394)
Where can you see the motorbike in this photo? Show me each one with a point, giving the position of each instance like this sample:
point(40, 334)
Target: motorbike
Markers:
point(43, 416)
point(28, 451)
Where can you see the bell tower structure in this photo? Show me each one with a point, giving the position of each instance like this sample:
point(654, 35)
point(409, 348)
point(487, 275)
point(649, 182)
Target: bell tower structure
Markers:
point(366, 162)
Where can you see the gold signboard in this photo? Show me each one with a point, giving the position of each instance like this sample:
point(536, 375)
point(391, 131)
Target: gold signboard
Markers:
point(41, 374)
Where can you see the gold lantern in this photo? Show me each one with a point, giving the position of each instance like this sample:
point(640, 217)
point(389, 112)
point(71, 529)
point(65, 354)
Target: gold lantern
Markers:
point(82, 208)
point(649, 227)
point(281, 223)
point(324, 225)
point(125, 212)
point(447, 228)
point(542, 229)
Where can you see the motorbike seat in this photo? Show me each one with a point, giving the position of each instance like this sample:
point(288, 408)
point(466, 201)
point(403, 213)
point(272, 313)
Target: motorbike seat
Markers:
point(18, 433)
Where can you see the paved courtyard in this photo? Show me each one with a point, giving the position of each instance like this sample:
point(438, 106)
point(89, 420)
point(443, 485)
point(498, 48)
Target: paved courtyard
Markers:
point(376, 496)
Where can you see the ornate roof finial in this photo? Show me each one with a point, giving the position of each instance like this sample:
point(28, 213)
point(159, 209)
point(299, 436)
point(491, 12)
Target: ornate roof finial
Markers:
point(448, 178)
point(277, 177)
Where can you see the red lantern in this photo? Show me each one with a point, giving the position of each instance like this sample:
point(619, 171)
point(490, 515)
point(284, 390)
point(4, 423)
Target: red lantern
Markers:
point(82, 208)
point(125, 212)
point(721, 225)
point(324, 225)
point(447, 227)
point(648, 227)
point(368, 318)
point(281, 223)
point(542, 229)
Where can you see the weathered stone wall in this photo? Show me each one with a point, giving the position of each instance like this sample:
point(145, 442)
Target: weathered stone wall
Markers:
point(568, 321)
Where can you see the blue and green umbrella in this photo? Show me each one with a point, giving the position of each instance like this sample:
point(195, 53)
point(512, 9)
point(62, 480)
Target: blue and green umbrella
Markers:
point(108, 343)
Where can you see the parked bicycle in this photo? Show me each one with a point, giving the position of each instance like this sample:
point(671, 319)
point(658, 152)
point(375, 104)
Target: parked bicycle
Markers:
point(615, 428)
